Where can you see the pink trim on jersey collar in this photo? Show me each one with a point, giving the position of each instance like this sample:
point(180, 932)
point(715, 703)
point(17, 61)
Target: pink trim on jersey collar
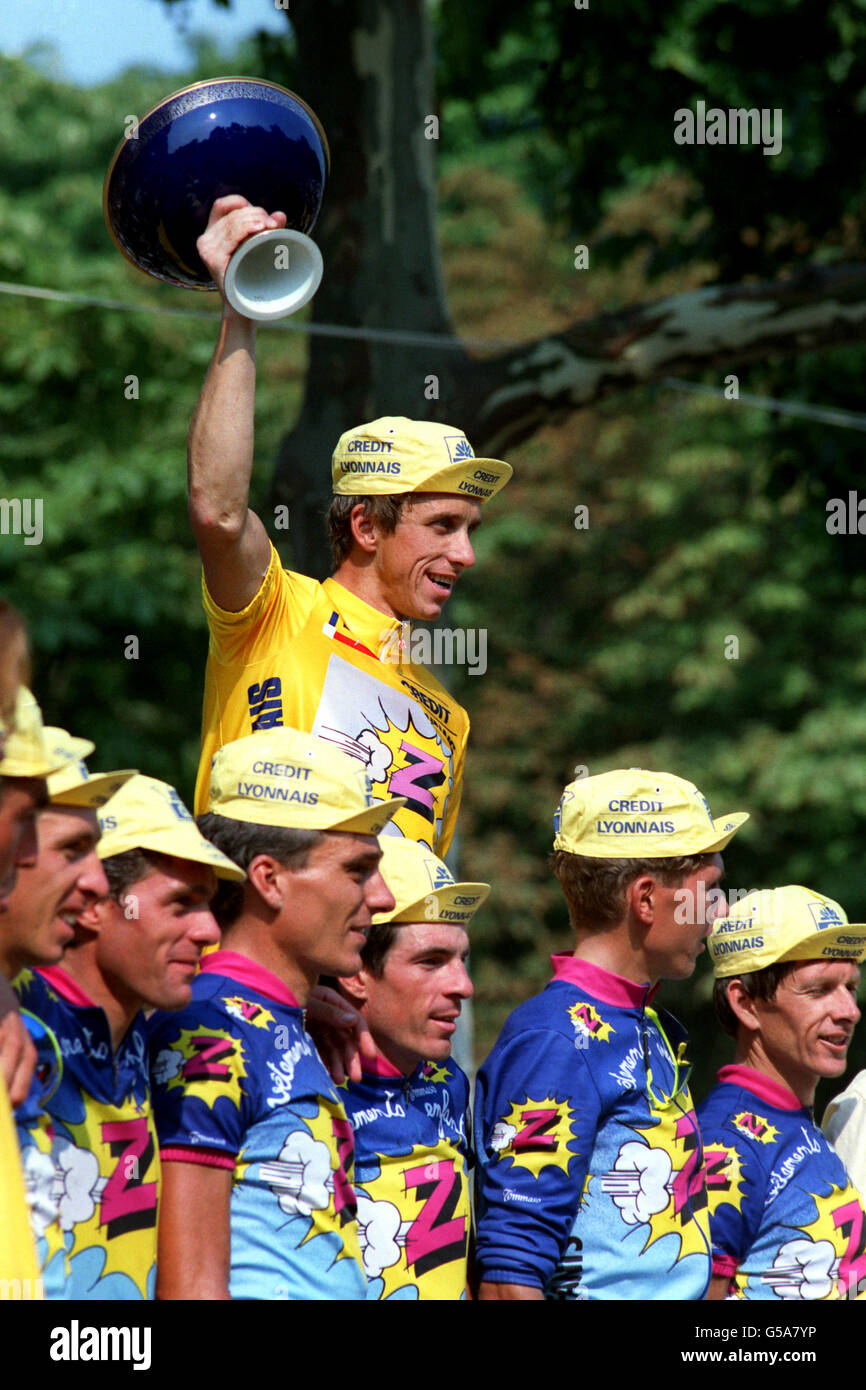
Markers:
point(600, 983)
point(248, 972)
point(374, 1064)
point(65, 986)
point(764, 1087)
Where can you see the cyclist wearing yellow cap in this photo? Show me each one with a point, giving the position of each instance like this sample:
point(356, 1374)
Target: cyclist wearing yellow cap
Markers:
point(410, 1107)
point(592, 1180)
point(257, 1151)
point(335, 658)
point(787, 1223)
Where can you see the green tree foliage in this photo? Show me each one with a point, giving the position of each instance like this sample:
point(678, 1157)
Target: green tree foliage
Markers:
point(96, 405)
point(599, 88)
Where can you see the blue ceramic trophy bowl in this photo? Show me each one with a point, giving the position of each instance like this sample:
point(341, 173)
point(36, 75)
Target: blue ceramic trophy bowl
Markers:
point(227, 135)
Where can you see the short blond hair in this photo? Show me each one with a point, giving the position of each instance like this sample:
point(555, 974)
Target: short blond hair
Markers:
point(595, 889)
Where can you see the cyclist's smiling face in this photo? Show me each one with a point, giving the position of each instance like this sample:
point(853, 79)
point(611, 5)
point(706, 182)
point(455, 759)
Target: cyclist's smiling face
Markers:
point(418, 564)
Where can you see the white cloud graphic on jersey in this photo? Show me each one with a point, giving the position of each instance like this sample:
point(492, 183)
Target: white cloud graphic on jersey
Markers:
point(80, 1185)
point(40, 1181)
point(502, 1135)
point(167, 1066)
point(380, 1234)
point(640, 1182)
point(380, 758)
point(301, 1178)
point(803, 1268)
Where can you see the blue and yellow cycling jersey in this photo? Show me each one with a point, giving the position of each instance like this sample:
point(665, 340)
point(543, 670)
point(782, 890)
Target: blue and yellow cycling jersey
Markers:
point(39, 1149)
point(591, 1178)
point(785, 1220)
point(105, 1151)
point(238, 1084)
point(411, 1160)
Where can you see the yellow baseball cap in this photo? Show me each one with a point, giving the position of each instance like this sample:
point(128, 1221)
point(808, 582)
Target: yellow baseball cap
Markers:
point(298, 781)
point(149, 814)
point(635, 814)
point(779, 924)
point(27, 753)
point(395, 454)
point(73, 785)
point(423, 887)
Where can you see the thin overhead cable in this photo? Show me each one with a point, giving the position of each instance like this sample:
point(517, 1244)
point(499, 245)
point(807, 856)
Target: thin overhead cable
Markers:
point(843, 419)
point(323, 330)
point(828, 415)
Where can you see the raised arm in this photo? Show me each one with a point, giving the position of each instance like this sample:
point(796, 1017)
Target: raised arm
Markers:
point(232, 541)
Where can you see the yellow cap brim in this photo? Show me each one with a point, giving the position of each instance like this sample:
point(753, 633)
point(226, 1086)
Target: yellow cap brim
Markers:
point(99, 788)
point(446, 904)
point(178, 843)
point(847, 942)
point(726, 828)
point(371, 821)
point(42, 764)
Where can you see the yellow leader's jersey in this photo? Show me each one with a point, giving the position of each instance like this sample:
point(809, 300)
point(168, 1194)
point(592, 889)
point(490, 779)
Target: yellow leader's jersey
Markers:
point(19, 1270)
point(307, 655)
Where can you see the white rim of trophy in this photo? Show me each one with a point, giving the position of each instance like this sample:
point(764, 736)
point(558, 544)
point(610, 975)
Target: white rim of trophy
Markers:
point(273, 274)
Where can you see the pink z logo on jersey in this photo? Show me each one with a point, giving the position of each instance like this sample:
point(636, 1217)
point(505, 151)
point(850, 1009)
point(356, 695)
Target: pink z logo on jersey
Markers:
point(436, 1236)
point(852, 1267)
point(415, 781)
point(128, 1203)
point(208, 1062)
point(718, 1168)
point(345, 1205)
point(689, 1184)
point(534, 1136)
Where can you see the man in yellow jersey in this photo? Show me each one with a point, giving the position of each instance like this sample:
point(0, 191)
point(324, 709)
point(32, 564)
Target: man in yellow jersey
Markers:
point(19, 1267)
point(335, 659)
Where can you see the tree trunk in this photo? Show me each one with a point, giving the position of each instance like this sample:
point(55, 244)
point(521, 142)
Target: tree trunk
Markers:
point(368, 74)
